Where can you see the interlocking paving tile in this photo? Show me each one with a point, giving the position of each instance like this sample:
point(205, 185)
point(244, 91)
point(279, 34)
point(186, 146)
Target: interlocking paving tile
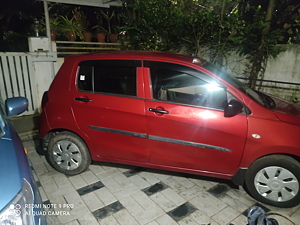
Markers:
point(108, 210)
point(89, 188)
point(47, 203)
point(133, 207)
point(182, 211)
point(89, 177)
point(68, 176)
point(133, 172)
point(143, 200)
point(105, 196)
point(38, 183)
point(146, 196)
point(173, 196)
point(155, 188)
point(218, 190)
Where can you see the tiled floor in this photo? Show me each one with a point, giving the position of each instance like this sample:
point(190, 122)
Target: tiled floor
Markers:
point(117, 194)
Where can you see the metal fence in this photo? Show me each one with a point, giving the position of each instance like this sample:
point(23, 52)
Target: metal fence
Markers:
point(285, 90)
point(17, 78)
point(66, 48)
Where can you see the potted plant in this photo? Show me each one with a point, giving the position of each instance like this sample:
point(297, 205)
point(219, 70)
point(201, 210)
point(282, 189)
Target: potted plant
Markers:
point(99, 29)
point(55, 24)
point(109, 16)
point(100, 33)
point(113, 37)
point(83, 24)
point(71, 28)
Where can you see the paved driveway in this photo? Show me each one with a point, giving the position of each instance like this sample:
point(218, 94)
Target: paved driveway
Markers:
point(115, 194)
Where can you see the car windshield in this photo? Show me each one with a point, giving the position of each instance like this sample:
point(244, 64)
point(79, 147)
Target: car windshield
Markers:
point(255, 95)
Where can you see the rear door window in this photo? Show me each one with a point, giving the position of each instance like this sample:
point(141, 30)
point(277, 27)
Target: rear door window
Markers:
point(108, 76)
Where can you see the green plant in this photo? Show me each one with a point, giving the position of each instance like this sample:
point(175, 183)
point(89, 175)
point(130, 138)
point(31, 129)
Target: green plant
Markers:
point(55, 23)
point(71, 25)
point(108, 16)
point(251, 28)
point(99, 25)
point(81, 20)
point(99, 29)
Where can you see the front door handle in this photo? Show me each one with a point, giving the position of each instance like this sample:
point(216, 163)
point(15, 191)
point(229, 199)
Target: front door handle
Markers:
point(83, 99)
point(158, 111)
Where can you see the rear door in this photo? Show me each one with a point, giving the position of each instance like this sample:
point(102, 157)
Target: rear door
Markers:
point(186, 124)
point(108, 111)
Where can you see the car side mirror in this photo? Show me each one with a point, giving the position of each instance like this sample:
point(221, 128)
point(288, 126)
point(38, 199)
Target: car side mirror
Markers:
point(233, 108)
point(16, 105)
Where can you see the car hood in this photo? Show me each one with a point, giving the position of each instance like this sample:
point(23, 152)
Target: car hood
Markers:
point(286, 111)
point(11, 174)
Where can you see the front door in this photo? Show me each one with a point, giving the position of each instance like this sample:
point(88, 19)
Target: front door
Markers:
point(107, 109)
point(186, 123)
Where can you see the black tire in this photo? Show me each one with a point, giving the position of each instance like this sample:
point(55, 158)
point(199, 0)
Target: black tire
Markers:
point(274, 180)
point(68, 154)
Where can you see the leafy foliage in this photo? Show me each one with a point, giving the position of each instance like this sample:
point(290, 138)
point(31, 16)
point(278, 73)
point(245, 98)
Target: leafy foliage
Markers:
point(223, 26)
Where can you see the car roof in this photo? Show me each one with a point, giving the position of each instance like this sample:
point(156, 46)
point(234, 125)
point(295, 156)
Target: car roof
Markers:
point(163, 55)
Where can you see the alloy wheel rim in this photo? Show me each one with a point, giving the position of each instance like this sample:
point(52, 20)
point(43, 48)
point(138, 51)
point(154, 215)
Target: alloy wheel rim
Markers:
point(276, 184)
point(67, 155)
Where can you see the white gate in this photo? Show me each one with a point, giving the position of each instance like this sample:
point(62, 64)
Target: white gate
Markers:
point(17, 79)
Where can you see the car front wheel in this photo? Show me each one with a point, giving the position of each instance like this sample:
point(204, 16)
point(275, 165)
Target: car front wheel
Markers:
point(68, 154)
point(274, 180)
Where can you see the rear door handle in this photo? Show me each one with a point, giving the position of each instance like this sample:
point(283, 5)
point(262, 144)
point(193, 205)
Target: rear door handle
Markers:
point(83, 99)
point(158, 111)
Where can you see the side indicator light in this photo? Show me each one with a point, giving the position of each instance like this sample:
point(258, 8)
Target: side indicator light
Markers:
point(26, 150)
point(257, 136)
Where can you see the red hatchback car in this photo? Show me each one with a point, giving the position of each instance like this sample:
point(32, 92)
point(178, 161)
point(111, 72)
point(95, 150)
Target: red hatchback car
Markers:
point(172, 112)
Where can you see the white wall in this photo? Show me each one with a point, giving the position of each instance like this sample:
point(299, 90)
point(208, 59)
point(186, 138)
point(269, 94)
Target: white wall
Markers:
point(284, 68)
point(44, 66)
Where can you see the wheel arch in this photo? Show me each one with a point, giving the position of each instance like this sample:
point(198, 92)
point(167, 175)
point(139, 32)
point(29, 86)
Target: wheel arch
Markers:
point(264, 182)
point(45, 140)
point(239, 177)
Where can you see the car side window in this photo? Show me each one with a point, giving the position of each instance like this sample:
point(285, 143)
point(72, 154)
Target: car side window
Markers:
point(185, 85)
point(108, 76)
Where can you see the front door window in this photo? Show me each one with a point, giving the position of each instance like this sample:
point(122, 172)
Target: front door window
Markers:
point(179, 84)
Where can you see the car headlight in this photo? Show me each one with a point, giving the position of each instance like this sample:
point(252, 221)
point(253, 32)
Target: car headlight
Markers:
point(17, 211)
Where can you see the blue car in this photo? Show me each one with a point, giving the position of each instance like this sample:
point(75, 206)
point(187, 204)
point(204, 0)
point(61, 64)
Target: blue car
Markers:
point(20, 201)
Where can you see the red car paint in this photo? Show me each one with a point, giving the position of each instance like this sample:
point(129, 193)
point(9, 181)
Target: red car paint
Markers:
point(187, 138)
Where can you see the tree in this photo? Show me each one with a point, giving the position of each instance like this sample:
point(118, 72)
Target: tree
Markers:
point(252, 28)
point(259, 31)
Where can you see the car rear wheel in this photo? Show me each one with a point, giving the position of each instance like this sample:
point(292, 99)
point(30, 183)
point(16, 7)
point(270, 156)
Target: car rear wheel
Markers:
point(274, 180)
point(68, 154)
